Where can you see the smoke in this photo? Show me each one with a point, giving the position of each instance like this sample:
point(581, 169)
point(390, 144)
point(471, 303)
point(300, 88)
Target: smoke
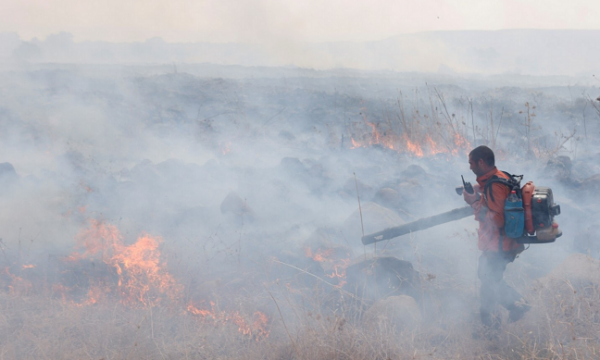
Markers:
point(241, 170)
point(169, 143)
point(465, 52)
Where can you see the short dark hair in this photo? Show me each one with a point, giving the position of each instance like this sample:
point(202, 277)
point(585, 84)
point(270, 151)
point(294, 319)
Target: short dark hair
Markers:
point(485, 153)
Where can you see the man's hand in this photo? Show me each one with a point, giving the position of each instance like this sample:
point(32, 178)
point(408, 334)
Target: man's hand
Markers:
point(471, 198)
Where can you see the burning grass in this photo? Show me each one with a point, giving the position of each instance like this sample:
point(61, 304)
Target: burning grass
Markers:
point(41, 328)
point(421, 142)
point(115, 297)
point(417, 134)
point(132, 307)
point(34, 327)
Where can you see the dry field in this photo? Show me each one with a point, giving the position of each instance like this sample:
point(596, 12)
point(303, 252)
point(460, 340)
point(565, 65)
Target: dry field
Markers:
point(180, 216)
point(108, 300)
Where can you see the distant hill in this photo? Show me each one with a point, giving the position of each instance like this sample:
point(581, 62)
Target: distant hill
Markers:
point(531, 52)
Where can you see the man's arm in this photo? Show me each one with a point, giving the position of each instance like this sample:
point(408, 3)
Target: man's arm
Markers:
point(474, 197)
point(474, 200)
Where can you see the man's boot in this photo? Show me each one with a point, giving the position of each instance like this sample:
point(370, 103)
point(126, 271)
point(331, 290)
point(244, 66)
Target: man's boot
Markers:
point(490, 328)
point(517, 310)
point(486, 318)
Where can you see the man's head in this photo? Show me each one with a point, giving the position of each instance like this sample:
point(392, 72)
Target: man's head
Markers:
point(481, 160)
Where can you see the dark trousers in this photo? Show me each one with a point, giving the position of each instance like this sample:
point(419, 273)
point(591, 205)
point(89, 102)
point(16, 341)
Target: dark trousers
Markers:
point(494, 290)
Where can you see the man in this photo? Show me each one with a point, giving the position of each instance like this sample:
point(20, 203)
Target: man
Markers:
point(497, 249)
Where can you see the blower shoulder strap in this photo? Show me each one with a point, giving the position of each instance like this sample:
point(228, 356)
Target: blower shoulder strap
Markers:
point(513, 183)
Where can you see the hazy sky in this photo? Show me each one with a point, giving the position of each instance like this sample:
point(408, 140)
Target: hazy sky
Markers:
point(273, 21)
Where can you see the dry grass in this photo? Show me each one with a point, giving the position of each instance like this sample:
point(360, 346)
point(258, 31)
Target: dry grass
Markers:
point(35, 328)
point(319, 324)
point(309, 318)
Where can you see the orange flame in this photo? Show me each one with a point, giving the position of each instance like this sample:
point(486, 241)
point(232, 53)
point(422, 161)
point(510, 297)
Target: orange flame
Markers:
point(142, 279)
point(320, 255)
point(339, 272)
point(16, 285)
point(355, 144)
point(434, 149)
point(256, 328)
point(141, 276)
point(414, 148)
point(419, 142)
point(338, 266)
point(94, 295)
point(460, 143)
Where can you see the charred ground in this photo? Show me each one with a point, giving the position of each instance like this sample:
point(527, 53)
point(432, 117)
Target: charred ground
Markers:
point(154, 214)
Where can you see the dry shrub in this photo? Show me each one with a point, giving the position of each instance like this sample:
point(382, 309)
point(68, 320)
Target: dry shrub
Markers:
point(37, 328)
point(315, 323)
point(564, 322)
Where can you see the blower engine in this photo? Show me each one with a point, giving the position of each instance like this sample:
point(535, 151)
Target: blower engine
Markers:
point(539, 210)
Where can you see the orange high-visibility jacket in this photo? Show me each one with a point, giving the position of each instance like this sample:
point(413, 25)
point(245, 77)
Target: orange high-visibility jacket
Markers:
point(491, 223)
